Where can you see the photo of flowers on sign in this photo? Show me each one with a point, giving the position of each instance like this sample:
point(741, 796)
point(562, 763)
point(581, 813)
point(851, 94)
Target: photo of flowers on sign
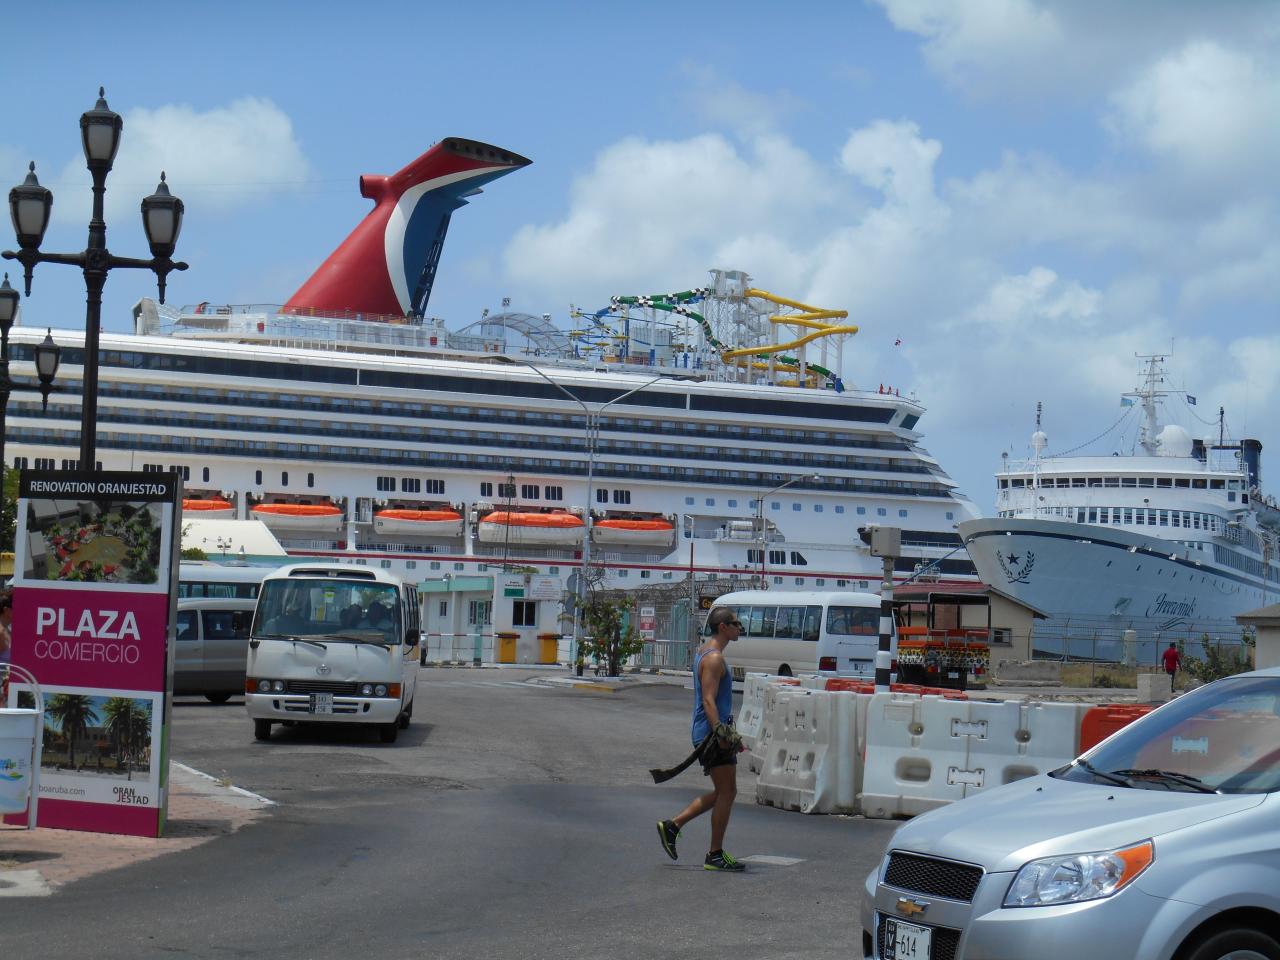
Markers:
point(94, 541)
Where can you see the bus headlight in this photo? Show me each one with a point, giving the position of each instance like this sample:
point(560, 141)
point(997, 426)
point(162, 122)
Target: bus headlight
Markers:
point(264, 686)
point(366, 689)
point(277, 686)
point(380, 690)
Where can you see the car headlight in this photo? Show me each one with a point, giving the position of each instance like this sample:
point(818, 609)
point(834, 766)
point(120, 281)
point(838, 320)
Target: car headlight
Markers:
point(366, 689)
point(1078, 876)
point(277, 686)
point(380, 690)
point(264, 686)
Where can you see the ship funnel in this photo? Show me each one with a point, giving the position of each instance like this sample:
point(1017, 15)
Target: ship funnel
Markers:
point(1252, 453)
point(388, 264)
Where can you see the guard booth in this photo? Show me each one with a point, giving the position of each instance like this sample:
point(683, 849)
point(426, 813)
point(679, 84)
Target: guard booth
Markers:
point(526, 618)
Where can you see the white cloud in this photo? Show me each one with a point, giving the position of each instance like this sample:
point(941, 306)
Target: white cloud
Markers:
point(972, 43)
point(724, 104)
point(1209, 109)
point(215, 160)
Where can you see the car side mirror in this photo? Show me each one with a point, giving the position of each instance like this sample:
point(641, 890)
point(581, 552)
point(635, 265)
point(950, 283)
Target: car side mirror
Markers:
point(411, 638)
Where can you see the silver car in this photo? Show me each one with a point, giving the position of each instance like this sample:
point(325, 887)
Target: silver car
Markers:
point(1161, 842)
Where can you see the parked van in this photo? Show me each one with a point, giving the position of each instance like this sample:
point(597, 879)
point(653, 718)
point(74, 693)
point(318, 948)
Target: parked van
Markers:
point(333, 644)
point(212, 646)
point(204, 578)
point(787, 632)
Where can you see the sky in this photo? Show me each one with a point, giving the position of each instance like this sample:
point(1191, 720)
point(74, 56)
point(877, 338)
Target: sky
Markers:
point(1013, 199)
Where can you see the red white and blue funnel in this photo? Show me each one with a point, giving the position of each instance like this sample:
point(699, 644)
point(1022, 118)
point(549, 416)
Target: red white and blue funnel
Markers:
point(388, 263)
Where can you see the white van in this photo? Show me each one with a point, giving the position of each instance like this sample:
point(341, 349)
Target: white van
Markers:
point(204, 578)
point(333, 644)
point(212, 644)
point(786, 632)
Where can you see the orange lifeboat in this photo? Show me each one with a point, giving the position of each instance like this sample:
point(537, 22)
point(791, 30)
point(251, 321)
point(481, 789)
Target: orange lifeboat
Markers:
point(213, 507)
point(559, 527)
point(419, 523)
point(299, 516)
point(655, 532)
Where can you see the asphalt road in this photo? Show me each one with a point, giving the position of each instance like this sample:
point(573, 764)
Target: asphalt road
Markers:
point(512, 820)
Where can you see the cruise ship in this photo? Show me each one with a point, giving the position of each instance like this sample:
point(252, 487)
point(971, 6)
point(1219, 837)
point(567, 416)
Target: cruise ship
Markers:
point(693, 434)
point(1170, 539)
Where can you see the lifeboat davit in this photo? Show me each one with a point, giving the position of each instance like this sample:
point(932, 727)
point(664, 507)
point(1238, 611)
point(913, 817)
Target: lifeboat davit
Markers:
point(419, 523)
point(212, 508)
point(559, 528)
point(299, 516)
point(643, 532)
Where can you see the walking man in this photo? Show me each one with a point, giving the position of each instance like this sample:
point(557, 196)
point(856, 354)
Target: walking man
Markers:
point(712, 714)
point(1172, 660)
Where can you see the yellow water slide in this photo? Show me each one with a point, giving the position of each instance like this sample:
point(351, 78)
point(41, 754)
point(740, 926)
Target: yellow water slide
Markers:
point(809, 317)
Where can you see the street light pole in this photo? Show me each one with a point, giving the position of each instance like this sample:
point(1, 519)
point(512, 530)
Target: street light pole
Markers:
point(29, 207)
point(760, 539)
point(591, 432)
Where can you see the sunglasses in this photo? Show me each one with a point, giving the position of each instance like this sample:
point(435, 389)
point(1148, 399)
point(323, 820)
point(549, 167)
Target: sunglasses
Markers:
point(734, 623)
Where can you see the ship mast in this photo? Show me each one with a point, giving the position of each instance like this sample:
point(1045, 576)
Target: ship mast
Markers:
point(1147, 395)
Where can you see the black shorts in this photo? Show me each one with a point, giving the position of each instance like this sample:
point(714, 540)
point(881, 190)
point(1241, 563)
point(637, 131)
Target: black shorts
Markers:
point(715, 755)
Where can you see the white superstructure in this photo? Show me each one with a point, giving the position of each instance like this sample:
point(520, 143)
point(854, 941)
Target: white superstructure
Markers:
point(1175, 536)
point(399, 444)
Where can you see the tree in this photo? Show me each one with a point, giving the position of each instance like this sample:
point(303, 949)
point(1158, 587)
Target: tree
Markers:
point(610, 641)
point(118, 714)
point(1220, 661)
point(73, 714)
point(9, 505)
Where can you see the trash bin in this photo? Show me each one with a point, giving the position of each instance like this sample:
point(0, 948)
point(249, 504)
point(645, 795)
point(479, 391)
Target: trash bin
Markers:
point(21, 730)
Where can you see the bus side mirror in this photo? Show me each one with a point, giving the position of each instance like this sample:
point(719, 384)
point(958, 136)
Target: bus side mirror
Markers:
point(411, 638)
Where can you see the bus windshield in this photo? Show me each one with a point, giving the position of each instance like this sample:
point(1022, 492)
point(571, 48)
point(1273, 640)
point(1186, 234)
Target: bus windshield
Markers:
point(355, 611)
point(853, 621)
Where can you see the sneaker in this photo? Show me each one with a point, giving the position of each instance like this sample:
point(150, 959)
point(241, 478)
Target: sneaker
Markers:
point(721, 861)
point(667, 833)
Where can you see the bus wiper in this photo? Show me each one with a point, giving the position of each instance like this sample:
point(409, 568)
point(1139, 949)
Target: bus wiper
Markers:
point(355, 638)
point(1116, 777)
point(1185, 779)
point(289, 636)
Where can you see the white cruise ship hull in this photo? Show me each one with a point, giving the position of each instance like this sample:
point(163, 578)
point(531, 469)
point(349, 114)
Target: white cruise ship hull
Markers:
point(1108, 578)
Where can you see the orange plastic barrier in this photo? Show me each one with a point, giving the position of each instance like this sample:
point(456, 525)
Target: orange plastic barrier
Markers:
point(1101, 722)
point(866, 686)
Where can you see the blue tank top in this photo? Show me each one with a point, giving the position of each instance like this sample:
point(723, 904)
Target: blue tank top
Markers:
point(724, 700)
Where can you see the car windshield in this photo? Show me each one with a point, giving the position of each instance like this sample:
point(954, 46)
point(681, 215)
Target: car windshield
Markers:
point(1223, 737)
point(332, 610)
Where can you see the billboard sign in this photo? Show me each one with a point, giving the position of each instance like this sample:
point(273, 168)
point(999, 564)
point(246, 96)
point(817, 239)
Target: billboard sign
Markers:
point(95, 582)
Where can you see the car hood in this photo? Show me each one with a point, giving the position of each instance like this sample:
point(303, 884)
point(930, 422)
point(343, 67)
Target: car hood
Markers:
point(1043, 816)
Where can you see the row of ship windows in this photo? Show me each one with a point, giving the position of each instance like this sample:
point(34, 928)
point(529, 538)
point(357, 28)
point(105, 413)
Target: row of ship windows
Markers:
point(388, 433)
point(1156, 483)
point(372, 410)
point(423, 459)
point(218, 368)
point(1138, 516)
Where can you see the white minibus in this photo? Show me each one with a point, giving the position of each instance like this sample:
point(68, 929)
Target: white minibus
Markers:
point(219, 581)
point(788, 632)
point(333, 644)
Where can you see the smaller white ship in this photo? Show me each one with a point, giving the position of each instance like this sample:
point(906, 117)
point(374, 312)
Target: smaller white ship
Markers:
point(1170, 539)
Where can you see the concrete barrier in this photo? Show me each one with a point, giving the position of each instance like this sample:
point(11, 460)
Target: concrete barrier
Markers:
point(1029, 671)
point(1155, 688)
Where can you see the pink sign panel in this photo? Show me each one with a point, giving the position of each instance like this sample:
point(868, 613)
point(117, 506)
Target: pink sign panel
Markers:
point(95, 573)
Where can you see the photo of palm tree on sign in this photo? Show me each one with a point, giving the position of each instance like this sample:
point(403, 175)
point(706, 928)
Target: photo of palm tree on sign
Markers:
point(99, 735)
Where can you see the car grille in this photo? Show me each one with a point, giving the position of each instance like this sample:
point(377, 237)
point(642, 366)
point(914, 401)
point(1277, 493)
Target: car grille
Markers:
point(936, 878)
point(945, 942)
point(321, 686)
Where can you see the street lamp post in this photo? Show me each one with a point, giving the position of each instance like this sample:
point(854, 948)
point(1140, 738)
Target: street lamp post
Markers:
point(29, 207)
point(47, 357)
point(591, 419)
point(760, 537)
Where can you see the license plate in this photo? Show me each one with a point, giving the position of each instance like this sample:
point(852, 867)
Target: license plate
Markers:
point(321, 703)
point(906, 941)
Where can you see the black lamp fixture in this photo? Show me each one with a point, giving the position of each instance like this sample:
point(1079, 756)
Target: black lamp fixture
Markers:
point(29, 207)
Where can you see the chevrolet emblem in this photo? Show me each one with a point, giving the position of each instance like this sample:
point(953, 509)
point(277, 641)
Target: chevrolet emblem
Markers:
point(911, 908)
